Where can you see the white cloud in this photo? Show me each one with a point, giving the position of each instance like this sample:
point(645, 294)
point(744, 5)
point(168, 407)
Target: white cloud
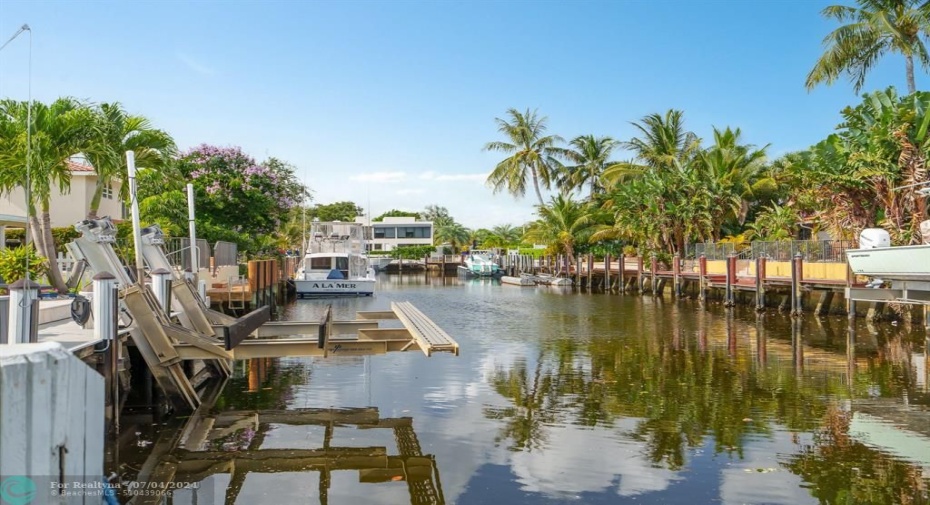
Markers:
point(379, 177)
point(410, 191)
point(195, 65)
point(433, 176)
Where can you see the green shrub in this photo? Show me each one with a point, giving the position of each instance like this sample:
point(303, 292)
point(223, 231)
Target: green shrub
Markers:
point(13, 264)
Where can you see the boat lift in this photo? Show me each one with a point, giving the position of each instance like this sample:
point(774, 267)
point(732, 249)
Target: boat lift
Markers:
point(170, 323)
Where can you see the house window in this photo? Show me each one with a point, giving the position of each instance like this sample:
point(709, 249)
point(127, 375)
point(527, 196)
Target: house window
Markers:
point(108, 191)
point(377, 247)
point(413, 232)
point(384, 232)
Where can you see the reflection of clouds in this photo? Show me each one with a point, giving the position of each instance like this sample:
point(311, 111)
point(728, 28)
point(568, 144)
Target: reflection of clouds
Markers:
point(737, 485)
point(569, 465)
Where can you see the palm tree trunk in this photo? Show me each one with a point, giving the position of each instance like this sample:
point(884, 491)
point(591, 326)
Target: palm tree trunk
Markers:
point(38, 238)
point(909, 66)
point(536, 186)
point(95, 200)
point(54, 274)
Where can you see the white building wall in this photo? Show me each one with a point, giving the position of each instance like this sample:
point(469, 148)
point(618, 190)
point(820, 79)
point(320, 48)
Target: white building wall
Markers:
point(68, 208)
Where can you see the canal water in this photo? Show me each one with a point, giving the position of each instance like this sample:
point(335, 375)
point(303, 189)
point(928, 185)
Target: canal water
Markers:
point(562, 396)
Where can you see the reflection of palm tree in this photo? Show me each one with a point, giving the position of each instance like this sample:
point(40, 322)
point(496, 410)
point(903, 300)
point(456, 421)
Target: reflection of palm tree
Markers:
point(840, 469)
point(531, 408)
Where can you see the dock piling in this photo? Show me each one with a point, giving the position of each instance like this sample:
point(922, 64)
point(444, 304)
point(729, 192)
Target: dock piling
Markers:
point(676, 273)
point(24, 312)
point(105, 307)
point(702, 279)
point(760, 284)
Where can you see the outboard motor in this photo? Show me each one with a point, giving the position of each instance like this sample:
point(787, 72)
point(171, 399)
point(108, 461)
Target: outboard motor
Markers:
point(874, 238)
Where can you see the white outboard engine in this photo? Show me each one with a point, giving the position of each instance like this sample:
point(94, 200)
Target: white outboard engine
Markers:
point(925, 232)
point(873, 238)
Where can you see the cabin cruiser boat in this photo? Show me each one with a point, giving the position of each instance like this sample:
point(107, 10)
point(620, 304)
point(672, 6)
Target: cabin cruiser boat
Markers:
point(335, 262)
point(480, 263)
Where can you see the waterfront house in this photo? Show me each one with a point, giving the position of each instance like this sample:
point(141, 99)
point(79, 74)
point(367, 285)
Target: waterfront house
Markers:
point(396, 232)
point(71, 206)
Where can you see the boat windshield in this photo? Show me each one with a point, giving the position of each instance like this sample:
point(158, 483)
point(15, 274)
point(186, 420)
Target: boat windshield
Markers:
point(326, 263)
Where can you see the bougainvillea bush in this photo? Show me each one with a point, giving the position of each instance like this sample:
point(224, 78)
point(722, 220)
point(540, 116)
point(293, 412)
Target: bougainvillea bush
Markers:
point(237, 199)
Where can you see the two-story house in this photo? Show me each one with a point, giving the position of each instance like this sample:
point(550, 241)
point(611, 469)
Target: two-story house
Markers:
point(395, 232)
point(71, 206)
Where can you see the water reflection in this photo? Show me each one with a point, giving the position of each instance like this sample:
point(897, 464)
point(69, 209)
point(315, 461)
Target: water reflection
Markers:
point(587, 399)
point(232, 456)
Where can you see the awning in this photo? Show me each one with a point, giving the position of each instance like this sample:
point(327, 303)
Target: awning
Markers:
point(11, 220)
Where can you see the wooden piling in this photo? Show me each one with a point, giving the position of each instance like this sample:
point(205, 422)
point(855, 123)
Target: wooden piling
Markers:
point(796, 276)
point(653, 268)
point(676, 276)
point(590, 271)
point(621, 265)
point(702, 279)
point(730, 297)
point(607, 272)
point(760, 284)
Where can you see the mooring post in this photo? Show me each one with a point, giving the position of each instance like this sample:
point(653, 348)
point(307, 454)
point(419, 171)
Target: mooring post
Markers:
point(702, 279)
point(796, 285)
point(105, 307)
point(731, 280)
point(640, 267)
point(653, 268)
point(621, 271)
point(24, 312)
point(607, 271)
point(578, 276)
point(760, 284)
point(161, 287)
point(590, 270)
point(851, 339)
point(676, 275)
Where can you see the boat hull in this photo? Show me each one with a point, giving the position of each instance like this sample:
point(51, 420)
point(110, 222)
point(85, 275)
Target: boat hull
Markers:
point(479, 273)
point(334, 287)
point(906, 263)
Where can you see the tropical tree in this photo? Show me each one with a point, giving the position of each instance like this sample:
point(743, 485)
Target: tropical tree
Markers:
point(455, 234)
point(338, 211)
point(733, 167)
point(871, 30)
point(58, 131)
point(591, 157)
point(532, 154)
point(562, 224)
point(664, 144)
point(114, 133)
point(436, 214)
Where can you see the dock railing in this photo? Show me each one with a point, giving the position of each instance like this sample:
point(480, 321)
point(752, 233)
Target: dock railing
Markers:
point(820, 251)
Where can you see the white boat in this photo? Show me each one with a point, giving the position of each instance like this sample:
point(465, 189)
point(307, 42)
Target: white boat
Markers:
point(876, 257)
point(335, 262)
point(552, 280)
point(480, 263)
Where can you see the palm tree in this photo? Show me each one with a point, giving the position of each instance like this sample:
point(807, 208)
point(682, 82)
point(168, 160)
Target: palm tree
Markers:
point(507, 233)
point(871, 30)
point(734, 168)
point(531, 153)
point(453, 233)
point(116, 132)
point(591, 156)
point(662, 145)
point(59, 131)
point(562, 223)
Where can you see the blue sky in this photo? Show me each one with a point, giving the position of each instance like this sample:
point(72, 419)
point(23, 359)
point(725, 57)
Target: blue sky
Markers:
point(391, 102)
